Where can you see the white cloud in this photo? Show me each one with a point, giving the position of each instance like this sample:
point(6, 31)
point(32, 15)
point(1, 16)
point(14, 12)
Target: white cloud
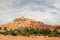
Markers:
point(47, 11)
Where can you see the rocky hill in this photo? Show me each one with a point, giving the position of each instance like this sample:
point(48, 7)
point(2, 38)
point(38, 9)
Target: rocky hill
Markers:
point(26, 22)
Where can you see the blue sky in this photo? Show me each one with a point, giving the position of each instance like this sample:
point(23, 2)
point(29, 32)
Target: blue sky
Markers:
point(47, 11)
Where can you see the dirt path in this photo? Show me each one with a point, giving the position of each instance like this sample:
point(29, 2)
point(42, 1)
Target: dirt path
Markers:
point(28, 38)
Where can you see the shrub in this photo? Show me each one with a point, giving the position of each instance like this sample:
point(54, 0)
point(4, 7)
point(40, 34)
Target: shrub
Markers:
point(11, 32)
point(0, 28)
point(25, 32)
point(5, 28)
point(16, 32)
point(55, 32)
point(31, 31)
point(45, 32)
point(34, 30)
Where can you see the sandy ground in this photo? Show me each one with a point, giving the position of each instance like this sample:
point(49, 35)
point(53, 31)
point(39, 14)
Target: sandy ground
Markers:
point(28, 38)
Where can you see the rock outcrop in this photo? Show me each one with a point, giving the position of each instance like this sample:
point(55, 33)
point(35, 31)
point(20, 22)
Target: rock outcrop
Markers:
point(26, 22)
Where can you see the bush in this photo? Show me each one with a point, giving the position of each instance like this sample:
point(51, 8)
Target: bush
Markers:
point(5, 32)
point(30, 31)
point(13, 32)
point(5, 28)
point(16, 32)
point(54, 33)
point(0, 28)
point(26, 32)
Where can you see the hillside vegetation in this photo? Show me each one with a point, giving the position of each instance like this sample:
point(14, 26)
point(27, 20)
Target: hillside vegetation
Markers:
point(28, 27)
